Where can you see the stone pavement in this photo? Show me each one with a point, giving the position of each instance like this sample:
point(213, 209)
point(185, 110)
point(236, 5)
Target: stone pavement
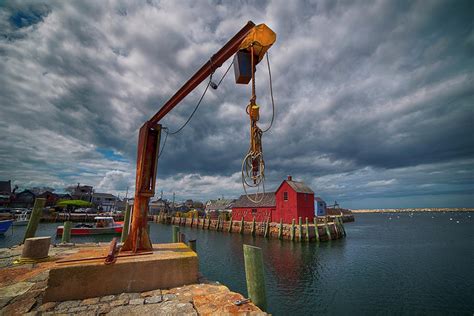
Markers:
point(22, 289)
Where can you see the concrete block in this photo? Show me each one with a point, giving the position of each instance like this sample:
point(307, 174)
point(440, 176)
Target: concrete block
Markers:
point(170, 265)
point(36, 247)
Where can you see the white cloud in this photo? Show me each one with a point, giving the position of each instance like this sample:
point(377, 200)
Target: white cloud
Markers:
point(386, 90)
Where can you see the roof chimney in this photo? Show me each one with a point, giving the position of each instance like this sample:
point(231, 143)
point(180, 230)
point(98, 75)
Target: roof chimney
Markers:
point(290, 178)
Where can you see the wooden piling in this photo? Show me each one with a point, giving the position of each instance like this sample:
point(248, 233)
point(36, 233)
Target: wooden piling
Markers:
point(328, 232)
point(307, 229)
point(292, 232)
point(126, 223)
point(254, 275)
point(175, 234)
point(316, 231)
point(267, 228)
point(34, 218)
point(66, 237)
point(192, 245)
point(230, 225)
point(253, 226)
point(280, 229)
point(342, 226)
point(336, 229)
point(242, 224)
point(300, 228)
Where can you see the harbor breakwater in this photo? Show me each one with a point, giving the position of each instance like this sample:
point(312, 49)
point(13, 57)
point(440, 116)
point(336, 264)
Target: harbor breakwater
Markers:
point(321, 229)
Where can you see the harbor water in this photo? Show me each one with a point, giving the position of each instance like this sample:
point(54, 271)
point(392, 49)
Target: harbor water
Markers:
point(397, 263)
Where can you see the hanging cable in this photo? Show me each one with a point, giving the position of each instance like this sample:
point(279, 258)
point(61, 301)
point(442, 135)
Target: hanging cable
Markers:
point(215, 86)
point(195, 109)
point(271, 95)
point(210, 83)
point(165, 130)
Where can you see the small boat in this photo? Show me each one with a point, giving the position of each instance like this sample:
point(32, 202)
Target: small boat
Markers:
point(5, 225)
point(103, 225)
point(21, 219)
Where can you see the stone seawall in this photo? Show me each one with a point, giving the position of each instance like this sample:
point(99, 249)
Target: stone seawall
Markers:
point(328, 228)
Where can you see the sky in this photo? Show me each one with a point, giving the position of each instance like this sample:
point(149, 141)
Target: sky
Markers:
point(374, 100)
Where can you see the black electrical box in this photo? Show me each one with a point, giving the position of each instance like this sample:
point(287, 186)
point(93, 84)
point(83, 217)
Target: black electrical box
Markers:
point(242, 67)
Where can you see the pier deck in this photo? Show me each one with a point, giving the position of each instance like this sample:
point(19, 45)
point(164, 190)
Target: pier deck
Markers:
point(22, 288)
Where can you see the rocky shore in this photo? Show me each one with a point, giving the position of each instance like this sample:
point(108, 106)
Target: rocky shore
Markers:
point(22, 287)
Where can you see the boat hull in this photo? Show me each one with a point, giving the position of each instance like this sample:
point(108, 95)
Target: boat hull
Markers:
point(20, 223)
point(5, 225)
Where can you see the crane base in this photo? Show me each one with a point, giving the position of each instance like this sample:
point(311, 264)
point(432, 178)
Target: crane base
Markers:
point(84, 274)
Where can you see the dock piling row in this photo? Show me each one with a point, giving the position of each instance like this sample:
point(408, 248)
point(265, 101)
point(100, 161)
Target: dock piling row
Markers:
point(332, 228)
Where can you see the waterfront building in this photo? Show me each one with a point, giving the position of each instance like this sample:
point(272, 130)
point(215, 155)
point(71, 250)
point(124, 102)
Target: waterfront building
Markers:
point(5, 193)
point(24, 199)
point(82, 192)
point(219, 205)
point(292, 199)
point(51, 198)
point(160, 205)
point(104, 201)
point(320, 206)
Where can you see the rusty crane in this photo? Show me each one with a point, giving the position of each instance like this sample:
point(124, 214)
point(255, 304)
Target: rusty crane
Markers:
point(249, 46)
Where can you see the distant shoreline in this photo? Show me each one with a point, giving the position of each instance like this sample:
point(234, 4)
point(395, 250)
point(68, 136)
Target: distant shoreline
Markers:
point(401, 210)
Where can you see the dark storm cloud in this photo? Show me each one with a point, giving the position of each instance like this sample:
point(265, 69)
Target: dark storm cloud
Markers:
point(369, 95)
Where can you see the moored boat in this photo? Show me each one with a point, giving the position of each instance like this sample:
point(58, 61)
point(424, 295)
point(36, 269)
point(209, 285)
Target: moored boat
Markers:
point(21, 219)
point(5, 225)
point(103, 225)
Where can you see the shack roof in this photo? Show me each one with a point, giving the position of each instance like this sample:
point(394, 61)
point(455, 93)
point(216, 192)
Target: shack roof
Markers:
point(104, 195)
point(220, 204)
point(299, 186)
point(268, 200)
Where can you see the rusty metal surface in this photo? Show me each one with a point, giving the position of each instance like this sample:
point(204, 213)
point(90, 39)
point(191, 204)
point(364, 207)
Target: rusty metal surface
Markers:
point(147, 162)
point(113, 252)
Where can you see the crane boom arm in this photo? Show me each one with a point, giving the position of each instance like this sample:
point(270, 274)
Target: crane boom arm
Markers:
point(215, 62)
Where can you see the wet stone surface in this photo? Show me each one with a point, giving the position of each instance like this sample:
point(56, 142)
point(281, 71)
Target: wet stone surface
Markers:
point(22, 289)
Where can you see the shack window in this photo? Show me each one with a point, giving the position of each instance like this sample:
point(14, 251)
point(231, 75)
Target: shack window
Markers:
point(254, 211)
point(285, 196)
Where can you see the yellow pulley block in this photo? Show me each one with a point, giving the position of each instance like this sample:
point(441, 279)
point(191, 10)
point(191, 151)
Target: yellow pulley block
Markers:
point(254, 112)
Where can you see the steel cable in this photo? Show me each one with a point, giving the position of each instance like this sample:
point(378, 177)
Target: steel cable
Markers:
point(271, 95)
